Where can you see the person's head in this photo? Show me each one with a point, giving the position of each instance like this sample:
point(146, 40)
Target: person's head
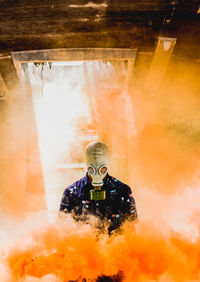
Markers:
point(97, 162)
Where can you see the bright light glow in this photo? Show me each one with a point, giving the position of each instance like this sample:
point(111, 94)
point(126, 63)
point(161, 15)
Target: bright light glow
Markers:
point(72, 107)
point(58, 110)
point(73, 165)
point(167, 42)
point(67, 64)
point(167, 45)
point(89, 4)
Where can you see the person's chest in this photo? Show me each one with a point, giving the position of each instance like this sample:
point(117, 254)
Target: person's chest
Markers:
point(112, 204)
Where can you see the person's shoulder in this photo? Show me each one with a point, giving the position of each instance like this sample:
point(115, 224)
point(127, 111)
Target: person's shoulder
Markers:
point(117, 183)
point(76, 185)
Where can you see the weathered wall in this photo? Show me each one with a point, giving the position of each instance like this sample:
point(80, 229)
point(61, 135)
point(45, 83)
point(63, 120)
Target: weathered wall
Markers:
point(27, 25)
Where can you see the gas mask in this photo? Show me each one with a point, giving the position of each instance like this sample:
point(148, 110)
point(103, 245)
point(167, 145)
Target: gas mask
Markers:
point(97, 161)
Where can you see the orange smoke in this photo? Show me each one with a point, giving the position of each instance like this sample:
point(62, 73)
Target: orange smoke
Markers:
point(166, 153)
point(155, 148)
point(74, 251)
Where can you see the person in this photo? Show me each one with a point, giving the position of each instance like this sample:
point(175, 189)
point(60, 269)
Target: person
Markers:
point(98, 193)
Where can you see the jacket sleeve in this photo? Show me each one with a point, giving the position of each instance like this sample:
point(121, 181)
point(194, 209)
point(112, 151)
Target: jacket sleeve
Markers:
point(66, 204)
point(131, 210)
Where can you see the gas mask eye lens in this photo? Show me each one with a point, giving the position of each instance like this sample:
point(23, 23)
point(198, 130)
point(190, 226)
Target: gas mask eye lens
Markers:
point(91, 170)
point(103, 170)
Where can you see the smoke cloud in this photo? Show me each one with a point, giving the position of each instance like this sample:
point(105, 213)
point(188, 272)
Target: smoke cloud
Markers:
point(154, 141)
point(73, 251)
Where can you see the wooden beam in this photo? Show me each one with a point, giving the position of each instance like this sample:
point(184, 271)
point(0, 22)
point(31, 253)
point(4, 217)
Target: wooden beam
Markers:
point(74, 54)
point(3, 88)
point(8, 72)
point(159, 63)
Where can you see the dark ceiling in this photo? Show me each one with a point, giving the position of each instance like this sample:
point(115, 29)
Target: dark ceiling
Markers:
point(42, 24)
